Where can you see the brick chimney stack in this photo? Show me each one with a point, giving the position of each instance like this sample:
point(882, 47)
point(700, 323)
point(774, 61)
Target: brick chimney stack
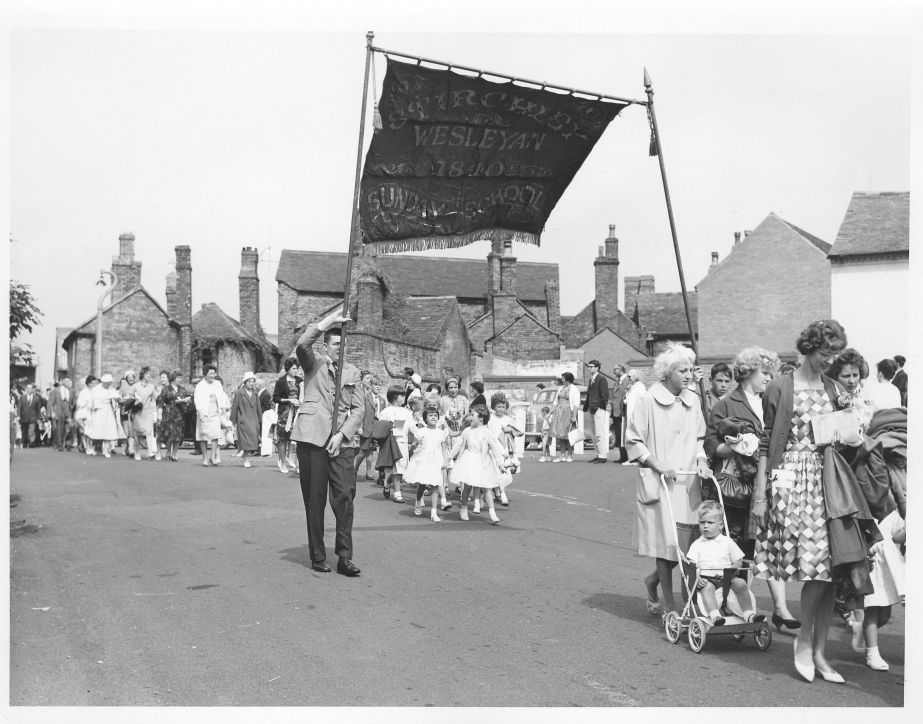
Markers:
point(553, 303)
point(124, 266)
point(249, 286)
point(370, 301)
point(635, 286)
point(714, 258)
point(606, 267)
point(181, 309)
point(508, 268)
point(493, 270)
point(736, 238)
point(746, 233)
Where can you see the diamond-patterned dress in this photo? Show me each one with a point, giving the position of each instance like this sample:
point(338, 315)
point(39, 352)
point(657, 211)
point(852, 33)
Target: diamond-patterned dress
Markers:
point(794, 546)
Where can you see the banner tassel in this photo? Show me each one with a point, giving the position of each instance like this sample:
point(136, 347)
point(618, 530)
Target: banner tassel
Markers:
point(376, 120)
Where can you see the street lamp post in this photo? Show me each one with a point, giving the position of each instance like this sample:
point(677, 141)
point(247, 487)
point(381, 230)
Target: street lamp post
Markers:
point(113, 280)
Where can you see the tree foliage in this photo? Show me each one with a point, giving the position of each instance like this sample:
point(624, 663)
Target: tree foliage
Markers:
point(24, 314)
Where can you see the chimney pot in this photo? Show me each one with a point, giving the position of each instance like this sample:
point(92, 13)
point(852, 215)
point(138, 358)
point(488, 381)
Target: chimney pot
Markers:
point(714, 257)
point(736, 237)
point(747, 233)
point(611, 230)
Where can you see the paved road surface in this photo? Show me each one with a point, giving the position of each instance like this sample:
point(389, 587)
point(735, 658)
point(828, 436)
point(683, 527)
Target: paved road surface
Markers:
point(169, 584)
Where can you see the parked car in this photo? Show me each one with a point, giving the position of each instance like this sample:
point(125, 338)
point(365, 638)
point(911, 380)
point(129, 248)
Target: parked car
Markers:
point(546, 398)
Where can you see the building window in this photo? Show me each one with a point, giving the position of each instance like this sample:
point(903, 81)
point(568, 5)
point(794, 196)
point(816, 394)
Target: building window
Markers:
point(207, 357)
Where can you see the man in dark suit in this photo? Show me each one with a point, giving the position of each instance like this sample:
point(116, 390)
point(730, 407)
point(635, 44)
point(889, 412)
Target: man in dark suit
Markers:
point(31, 407)
point(597, 404)
point(327, 453)
point(622, 383)
point(900, 379)
point(61, 404)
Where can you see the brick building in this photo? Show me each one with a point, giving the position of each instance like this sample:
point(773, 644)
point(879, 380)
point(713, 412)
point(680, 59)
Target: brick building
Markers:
point(138, 331)
point(869, 274)
point(604, 332)
point(434, 314)
point(773, 283)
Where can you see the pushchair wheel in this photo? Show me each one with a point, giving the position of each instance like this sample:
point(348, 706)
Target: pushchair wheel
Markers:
point(697, 634)
point(671, 627)
point(763, 637)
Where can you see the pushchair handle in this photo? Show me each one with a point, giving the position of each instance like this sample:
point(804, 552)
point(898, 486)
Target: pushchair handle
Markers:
point(663, 481)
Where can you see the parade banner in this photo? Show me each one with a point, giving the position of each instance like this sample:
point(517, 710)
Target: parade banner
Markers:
point(461, 158)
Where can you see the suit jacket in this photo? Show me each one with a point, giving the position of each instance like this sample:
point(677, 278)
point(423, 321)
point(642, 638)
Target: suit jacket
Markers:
point(314, 421)
point(30, 412)
point(57, 407)
point(618, 395)
point(597, 395)
point(373, 406)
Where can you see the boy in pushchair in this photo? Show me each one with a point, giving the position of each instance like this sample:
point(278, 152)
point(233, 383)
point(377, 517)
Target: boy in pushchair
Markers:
point(712, 553)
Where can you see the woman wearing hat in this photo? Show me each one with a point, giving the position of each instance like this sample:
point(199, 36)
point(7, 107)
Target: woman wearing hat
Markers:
point(246, 414)
point(210, 402)
point(126, 409)
point(104, 414)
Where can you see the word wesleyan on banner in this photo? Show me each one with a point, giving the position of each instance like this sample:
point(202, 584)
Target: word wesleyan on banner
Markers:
point(461, 158)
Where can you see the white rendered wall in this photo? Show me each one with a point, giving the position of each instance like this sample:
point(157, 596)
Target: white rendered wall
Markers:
point(870, 301)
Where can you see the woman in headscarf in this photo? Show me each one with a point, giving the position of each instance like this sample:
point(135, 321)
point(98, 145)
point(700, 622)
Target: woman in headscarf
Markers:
point(247, 415)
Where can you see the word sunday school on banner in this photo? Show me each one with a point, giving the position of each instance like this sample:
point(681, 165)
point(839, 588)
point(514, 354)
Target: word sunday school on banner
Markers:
point(462, 158)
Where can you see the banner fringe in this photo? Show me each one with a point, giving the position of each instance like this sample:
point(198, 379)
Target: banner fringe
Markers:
point(422, 243)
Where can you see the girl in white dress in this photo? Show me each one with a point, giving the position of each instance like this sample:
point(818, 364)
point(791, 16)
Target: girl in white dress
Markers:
point(504, 427)
point(402, 428)
point(887, 579)
point(426, 465)
point(478, 459)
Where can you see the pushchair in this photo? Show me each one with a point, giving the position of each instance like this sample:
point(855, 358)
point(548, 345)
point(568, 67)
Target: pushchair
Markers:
point(693, 619)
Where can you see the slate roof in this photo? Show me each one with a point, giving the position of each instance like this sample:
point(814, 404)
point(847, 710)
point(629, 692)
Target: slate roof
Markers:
point(817, 242)
point(212, 324)
point(322, 272)
point(425, 317)
point(874, 224)
point(84, 327)
point(664, 315)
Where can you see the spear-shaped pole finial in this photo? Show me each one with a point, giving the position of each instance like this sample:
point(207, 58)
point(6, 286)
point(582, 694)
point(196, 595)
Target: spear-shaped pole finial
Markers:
point(647, 82)
point(369, 37)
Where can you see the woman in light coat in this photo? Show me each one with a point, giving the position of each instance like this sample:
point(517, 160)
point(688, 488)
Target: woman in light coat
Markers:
point(104, 414)
point(142, 420)
point(665, 434)
point(211, 403)
point(83, 414)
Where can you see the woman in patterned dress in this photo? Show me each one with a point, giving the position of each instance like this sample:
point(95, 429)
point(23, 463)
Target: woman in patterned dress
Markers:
point(172, 401)
point(285, 396)
point(793, 541)
point(564, 418)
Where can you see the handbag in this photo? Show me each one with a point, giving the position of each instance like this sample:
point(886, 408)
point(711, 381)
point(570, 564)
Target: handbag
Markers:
point(837, 427)
point(648, 486)
point(575, 436)
point(735, 492)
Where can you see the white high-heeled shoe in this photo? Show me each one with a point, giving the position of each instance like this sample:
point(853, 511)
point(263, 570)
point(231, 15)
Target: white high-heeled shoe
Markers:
point(806, 672)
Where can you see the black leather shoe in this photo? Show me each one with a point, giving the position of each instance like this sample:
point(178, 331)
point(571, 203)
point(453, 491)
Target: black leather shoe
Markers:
point(347, 568)
point(320, 567)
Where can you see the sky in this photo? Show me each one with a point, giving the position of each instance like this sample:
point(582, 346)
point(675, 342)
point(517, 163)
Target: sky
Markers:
point(221, 137)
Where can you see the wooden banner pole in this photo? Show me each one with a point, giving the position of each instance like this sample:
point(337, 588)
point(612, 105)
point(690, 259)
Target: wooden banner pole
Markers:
point(354, 227)
point(649, 89)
